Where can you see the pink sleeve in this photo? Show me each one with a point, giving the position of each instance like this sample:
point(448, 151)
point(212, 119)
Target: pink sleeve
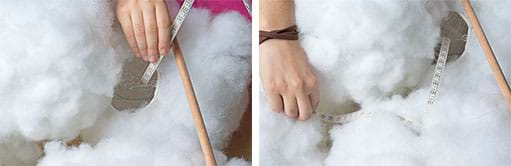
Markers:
point(219, 6)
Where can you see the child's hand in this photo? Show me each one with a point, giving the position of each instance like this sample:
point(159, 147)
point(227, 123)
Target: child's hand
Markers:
point(287, 77)
point(146, 25)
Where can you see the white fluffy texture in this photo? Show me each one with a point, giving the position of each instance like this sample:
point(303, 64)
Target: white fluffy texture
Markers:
point(287, 142)
point(374, 48)
point(53, 57)
point(217, 51)
point(470, 123)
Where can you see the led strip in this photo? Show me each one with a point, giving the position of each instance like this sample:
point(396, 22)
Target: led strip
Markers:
point(178, 21)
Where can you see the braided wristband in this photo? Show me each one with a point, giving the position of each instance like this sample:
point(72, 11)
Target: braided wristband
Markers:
point(289, 33)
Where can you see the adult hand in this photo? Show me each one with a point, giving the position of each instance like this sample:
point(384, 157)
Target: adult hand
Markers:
point(146, 26)
point(288, 80)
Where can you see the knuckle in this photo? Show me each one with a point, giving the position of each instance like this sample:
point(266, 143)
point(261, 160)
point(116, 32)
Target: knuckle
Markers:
point(152, 28)
point(276, 86)
point(165, 25)
point(163, 44)
point(151, 47)
point(121, 14)
point(312, 81)
point(124, 10)
point(149, 1)
point(297, 84)
point(316, 101)
point(150, 51)
point(291, 111)
point(291, 114)
point(142, 48)
point(273, 89)
point(139, 29)
point(305, 110)
point(304, 117)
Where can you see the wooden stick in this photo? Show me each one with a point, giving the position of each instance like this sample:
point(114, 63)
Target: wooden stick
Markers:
point(488, 52)
point(194, 106)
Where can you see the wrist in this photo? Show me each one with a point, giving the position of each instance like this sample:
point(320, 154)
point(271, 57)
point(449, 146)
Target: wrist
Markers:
point(289, 45)
point(288, 33)
point(274, 24)
point(276, 14)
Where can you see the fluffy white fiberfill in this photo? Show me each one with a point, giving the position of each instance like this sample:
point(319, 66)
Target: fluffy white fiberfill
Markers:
point(379, 54)
point(59, 65)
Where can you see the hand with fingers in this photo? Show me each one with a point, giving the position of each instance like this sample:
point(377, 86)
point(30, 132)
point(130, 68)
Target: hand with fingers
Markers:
point(146, 26)
point(288, 80)
point(289, 83)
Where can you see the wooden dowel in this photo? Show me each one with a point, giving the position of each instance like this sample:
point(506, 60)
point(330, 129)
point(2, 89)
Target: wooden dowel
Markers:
point(202, 133)
point(488, 52)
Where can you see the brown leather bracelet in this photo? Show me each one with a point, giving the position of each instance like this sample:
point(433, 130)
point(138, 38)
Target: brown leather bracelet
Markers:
point(289, 33)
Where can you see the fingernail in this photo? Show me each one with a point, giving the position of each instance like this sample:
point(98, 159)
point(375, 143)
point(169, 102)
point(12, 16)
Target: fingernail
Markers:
point(149, 53)
point(154, 59)
point(163, 52)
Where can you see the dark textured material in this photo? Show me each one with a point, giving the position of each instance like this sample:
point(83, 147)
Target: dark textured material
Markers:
point(289, 33)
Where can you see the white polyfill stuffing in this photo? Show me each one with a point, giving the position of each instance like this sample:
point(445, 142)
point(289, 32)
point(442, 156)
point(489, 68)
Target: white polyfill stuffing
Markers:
point(472, 123)
point(377, 49)
point(68, 72)
point(218, 59)
point(364, 42)
point(53, 57)
point(376, 140)
point(373, 57)
point(287, 142)
point(237, 162)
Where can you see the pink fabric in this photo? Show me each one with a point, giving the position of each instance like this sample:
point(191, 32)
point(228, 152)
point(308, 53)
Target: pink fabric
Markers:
point(220, 6)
